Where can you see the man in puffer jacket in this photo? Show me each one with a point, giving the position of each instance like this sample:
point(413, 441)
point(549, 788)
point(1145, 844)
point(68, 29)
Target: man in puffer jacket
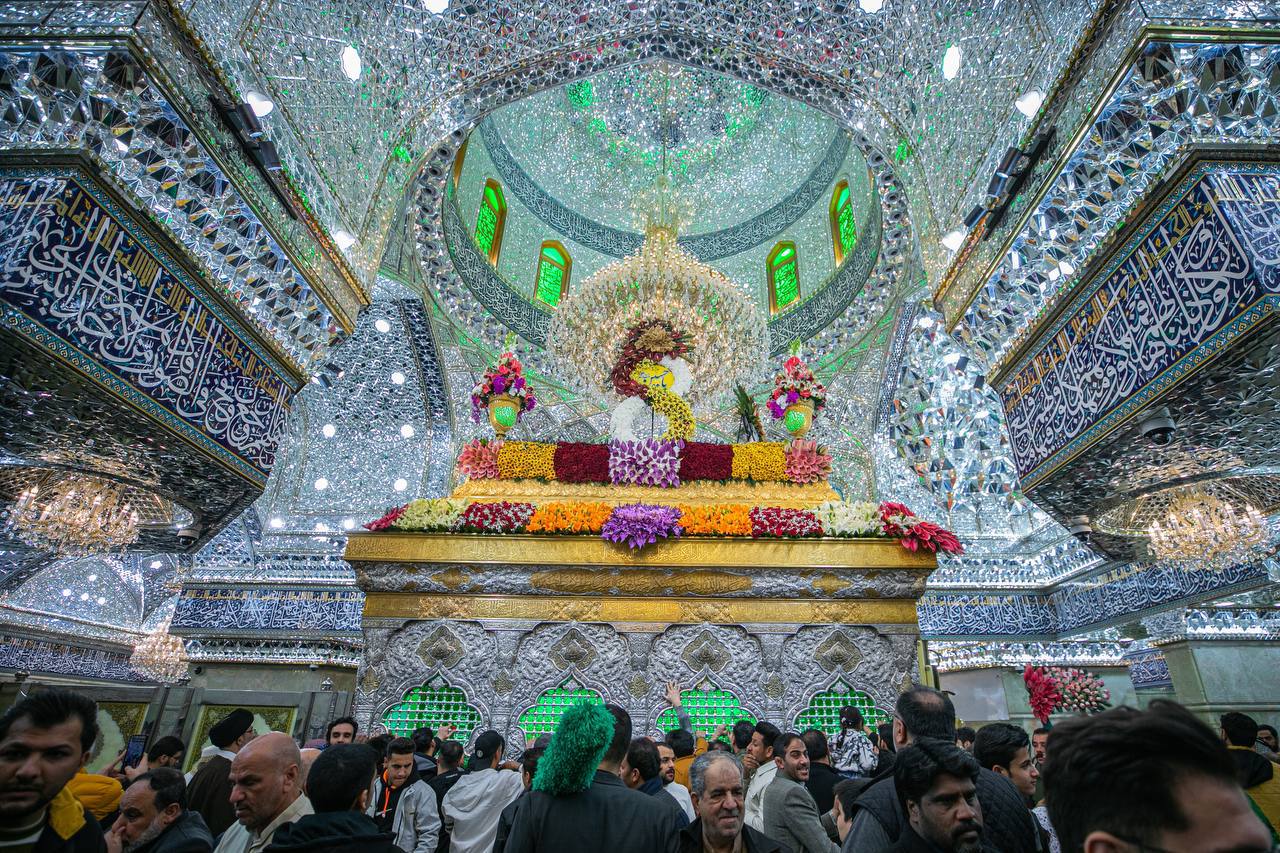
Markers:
point(1255, 774)
point(338, 787)
point(403, 804)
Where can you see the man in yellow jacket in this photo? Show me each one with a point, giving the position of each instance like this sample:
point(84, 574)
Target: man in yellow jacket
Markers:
point(1256, 774)
point(100, 795)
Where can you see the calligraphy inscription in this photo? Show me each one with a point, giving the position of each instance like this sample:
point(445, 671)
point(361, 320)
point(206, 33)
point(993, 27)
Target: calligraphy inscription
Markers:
point(68, 266)
point(1189, 279)
point(279, 609)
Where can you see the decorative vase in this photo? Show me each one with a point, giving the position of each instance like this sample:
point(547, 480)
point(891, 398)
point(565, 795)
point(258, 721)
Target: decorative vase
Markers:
point(504, 411)
point(798, 418)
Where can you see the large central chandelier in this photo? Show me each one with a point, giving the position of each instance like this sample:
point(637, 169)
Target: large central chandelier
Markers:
point(160, 656)
point(1200, 529)
point(73, 514)
point(661, 281)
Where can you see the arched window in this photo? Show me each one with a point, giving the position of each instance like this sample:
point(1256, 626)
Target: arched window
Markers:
point(552, 278)
point(459, 159)
point(489, 222)
point(544, 716)
point(784, 276)
point(432, 704)
point(844, 229)
point(823, 711)
point(707, 708)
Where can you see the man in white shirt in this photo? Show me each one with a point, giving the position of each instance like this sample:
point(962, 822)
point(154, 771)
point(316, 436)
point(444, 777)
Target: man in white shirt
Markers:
point(472, 806)
point(758, 761)
point(266, 792)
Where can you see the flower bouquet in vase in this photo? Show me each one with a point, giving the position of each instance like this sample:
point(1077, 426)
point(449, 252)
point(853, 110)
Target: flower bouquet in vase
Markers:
point(503, 392)
point(797, 397)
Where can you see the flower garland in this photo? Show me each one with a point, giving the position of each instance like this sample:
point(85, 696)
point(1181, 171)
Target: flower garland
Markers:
point(645, 462)
point(581, 463)
point(716, 519)
point(479, 459)
point(498, 517)
point(506, 377)
point(916, 534)
point(386, 521)
point(794, 384)
point(639, 525)
point(775, 521)
point(807, 462)
point(441, 514)
point(650, 340)
point(760, 461)
point(518, 460)
point(839, 518)
point(1042, 692)
point(569, 517)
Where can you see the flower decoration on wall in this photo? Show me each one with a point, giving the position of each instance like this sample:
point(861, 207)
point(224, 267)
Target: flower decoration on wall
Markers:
point(569, 517)
point(504, 392)
point(797, 396)
point(430, 514)
point(638, 525)
point(1064, 688)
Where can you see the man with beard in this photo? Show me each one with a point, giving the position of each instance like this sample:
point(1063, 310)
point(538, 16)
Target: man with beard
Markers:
point(43, 740)
point(937, 787)
point(667, 771)
point(719, 790)
point(209, 789)
point(790, 814)
point(266, 793)
point(154, 817)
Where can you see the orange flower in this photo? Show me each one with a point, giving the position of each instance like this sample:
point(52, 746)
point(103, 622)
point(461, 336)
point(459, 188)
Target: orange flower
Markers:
point(569, 517)
point(716, 520)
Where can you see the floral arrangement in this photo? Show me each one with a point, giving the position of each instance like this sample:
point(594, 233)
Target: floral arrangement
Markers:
point(479, 459)
point(519, 460)
point(645, 462)
point(716, 520)
point(839, 518)
point(917, 534)
point(760, 461)
point(775, 521)
point(575, 462)
point(795, 383)
point(639, 525)
point(440, 514)
point(1064, 688)
point(569, 517)
point(385, 522)
point(506, 377)
point(680, 422)
point(807, 462)
point(705, 461)
point(498, 517)
point(647, 341)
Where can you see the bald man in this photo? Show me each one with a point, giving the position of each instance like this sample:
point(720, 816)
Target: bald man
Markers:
point(266, 792)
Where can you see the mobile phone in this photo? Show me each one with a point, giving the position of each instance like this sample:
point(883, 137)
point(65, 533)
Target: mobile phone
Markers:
point(134, 751)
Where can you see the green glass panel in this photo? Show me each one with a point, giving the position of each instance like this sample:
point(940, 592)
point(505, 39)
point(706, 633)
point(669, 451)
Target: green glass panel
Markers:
point(823, 711)
point(544, 716)
point(580, 94)
point(433, 704)
point(844, 197)
point(486, 227)
point(552, 253)
point(550, 278)
point(784, 255)
point(707, 709)
point(848, 228)
point(786, 284)
point(505, 414)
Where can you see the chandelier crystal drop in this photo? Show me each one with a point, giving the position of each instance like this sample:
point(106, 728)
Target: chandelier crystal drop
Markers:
point(1200, 529)
point(73, 514)
point(160, 656)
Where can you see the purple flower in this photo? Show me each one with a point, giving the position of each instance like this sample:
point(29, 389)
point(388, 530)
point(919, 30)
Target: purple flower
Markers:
point(530, 401)
point(775, 409)
point(639, 525)
point(499, 384)
point(518, 383)
point(645, 462)
point(792, 396)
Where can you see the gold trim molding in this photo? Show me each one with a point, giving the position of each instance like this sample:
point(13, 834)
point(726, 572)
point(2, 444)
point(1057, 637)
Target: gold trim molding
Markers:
point(787, 495)
point(615, 609)
point(534, 550)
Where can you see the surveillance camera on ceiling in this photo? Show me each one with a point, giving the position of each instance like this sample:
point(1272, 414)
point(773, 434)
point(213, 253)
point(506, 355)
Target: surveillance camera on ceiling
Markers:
point(1080, 527)
point(1158, 426)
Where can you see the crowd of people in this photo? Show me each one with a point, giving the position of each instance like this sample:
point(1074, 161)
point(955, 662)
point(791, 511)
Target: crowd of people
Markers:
point(1123, 781)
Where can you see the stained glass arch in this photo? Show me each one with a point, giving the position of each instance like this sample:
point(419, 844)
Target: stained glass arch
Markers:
point(544, 715)
point(783, 268)
point(844, 228)
point(433, 704)
point(491, 220)
point(707, 708)
point(823, 711)
point(551, 279)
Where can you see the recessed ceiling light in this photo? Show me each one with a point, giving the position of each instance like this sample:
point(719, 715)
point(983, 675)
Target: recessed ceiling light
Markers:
point(406, 431)
point(1029, 103)
point(351, 65)
point(259, 103)
point(93, 578)
point(397, 378)
point(101, 600)
point(344, 239)
point(329, 430)
point(382, 325)
point(954, 240)
point(66, 592)
point(155, 564)
point(348, 523)
point(951, 62)
point(400, 485)
point(322, 484)
point(84, 596)
point(436, 7)
point(871, 5)
point(277, 523)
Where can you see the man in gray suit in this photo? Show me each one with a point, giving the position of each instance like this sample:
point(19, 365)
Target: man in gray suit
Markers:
point(790, 814)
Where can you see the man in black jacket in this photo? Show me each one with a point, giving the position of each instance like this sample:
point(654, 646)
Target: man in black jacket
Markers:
point(44, 738)
point(935, 781)
point(719, 794)
point(338, 787)
point(880, 819)
point(154, 817)
point(822, 776)
point(579, 803)
point(641, 772)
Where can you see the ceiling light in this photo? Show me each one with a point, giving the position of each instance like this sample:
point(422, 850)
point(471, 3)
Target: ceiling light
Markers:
point(66, 593)
point(277, 523)
point(101, 600)
point(397, 378)
point(348, 523)
point(954, 240)
point(351, 65)
point(155, 564)
point(343, 239)
point(329, 430)
point(84, 596)
point(322, 484)
point(259, 103)
point(436, 7)
point(406, 431)
point(382, 325)
point(951, 62)
point(1029, 103)
point(871, 5)
point(93, 578)
point(400, 485)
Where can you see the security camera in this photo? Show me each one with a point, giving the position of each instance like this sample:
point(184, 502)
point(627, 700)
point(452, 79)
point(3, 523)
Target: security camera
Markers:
point(188, 535)
point(313, 667)
point(1158, 426)
point(1079, 527)
point(198, 670)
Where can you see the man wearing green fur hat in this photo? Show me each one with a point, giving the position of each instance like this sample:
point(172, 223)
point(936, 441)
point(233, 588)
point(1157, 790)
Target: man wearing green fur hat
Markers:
point(578, 801)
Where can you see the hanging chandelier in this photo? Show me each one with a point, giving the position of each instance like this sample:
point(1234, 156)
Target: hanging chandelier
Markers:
point(160, 656)
point(1200, 529)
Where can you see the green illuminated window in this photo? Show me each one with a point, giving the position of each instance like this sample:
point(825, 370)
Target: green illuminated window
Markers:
point(433, 704)
point(580, 94)
point(784, 276)
point(707, 709)
point(552, 276)
point(490, 220)
point(824, 709)
point(544, 716)
point(844, 229)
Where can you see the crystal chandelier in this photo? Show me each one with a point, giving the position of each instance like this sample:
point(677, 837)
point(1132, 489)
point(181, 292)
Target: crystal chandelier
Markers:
point(73, 514)
point(1201, 529)
point(160, 656)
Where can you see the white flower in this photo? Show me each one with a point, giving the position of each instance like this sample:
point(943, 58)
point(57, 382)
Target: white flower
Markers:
point(839, 518)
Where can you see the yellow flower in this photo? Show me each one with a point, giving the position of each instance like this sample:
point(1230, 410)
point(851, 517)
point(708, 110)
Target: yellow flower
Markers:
point(569, 517)
point(757, 460)
point(520, 460)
